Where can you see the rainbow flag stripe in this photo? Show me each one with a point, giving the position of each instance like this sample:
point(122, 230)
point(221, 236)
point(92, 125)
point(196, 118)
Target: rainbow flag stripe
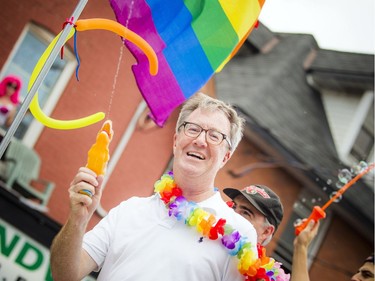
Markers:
point(193, 39)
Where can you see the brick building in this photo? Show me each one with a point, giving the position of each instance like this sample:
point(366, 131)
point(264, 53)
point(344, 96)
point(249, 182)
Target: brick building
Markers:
point(266, 81)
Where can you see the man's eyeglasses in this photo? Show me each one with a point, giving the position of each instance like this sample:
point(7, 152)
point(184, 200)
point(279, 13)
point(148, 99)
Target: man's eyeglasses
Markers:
point(212, 136)
point(12, 85)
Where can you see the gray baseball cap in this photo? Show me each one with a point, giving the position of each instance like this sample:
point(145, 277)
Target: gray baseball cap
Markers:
point(263, 199)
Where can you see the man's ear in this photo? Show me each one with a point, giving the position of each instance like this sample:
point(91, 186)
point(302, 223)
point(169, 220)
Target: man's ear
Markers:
point(174, 143)
point(266, 235)
point(269, 230)
point(227, 156)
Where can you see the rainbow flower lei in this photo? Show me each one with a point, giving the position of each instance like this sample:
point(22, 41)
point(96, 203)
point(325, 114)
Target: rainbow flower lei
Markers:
point(253, 268)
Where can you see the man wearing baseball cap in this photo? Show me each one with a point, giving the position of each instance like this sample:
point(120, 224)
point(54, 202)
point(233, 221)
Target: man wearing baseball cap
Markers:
point(259, 205)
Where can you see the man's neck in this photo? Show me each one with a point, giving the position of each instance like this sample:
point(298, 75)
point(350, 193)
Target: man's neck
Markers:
point(195, 189)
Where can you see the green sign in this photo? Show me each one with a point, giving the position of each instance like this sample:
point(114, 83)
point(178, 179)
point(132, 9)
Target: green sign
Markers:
point(22, 258)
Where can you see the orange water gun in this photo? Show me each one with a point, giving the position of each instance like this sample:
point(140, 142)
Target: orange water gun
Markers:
point(319, 212)
point(98, 155)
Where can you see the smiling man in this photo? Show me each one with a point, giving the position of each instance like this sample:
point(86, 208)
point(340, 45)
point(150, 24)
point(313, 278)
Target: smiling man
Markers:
point(139, 239)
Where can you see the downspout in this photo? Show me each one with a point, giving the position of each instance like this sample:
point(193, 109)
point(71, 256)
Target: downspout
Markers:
point(115, 157)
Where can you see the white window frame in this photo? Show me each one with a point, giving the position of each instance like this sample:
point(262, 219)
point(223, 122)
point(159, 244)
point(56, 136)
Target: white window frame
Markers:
point(359, 117)
point(35, 129)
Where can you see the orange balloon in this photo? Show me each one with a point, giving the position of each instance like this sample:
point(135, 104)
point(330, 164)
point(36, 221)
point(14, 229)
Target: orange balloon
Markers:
point(105, 24)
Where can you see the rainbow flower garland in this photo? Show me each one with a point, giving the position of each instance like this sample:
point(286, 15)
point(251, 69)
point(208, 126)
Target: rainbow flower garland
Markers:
point(253, 268)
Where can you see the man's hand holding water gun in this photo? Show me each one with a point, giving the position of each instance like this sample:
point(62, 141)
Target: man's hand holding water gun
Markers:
point(85, 189)
point(85, 192)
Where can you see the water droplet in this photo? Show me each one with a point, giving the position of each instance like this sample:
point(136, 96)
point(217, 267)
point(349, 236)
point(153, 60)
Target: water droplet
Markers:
point(329, 181)
point(319, 199)
point(313, 200)
point(316, 179)
point(297, 222)
point(303, 199)
point(359, 168)
point(355, 169)
point(345, 176)
point(339, 184)
point(363, 165)
point(324, 188)
point(338, 199)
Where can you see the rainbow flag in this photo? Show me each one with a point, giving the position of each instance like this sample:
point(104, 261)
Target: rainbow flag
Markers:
point(193, 39)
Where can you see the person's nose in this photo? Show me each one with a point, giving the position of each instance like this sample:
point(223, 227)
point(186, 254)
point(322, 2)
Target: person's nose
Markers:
point(201, 140)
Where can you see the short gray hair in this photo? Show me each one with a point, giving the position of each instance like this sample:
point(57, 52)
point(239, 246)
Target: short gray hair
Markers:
point(200, 100)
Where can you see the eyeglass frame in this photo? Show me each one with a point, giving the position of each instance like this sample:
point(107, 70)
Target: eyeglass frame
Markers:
point(225, 137)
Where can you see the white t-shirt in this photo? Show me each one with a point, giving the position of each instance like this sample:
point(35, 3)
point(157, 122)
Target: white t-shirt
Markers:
point(138, 241)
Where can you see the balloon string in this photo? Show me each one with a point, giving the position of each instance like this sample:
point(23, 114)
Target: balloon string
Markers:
point(67, 21)
point(349, 184)
point(76, 53)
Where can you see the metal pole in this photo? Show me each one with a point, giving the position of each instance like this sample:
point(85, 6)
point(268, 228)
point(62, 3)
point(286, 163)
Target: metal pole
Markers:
point(41, 76)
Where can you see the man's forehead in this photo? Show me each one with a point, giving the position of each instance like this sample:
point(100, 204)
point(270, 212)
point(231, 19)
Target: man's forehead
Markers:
point(242, 201)
point(368, 266)
point(204, 118)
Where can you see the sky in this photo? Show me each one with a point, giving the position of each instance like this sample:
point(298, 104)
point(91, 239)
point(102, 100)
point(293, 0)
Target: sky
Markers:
point(340, 25)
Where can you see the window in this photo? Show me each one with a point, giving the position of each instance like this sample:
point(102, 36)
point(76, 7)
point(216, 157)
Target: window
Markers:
point(301, 209)
point(361, 144)
point(25, 55)
point(364, 142)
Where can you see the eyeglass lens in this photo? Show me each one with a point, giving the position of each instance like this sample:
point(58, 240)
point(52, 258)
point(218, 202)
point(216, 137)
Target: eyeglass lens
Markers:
point(194, 130)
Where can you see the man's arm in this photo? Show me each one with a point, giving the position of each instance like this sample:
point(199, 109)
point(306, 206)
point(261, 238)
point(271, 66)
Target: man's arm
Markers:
point(68, 259)
point(301, 244)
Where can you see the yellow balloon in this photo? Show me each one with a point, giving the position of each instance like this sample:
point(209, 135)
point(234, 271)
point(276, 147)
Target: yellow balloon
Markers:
point(39, 114)
point(82, 25)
